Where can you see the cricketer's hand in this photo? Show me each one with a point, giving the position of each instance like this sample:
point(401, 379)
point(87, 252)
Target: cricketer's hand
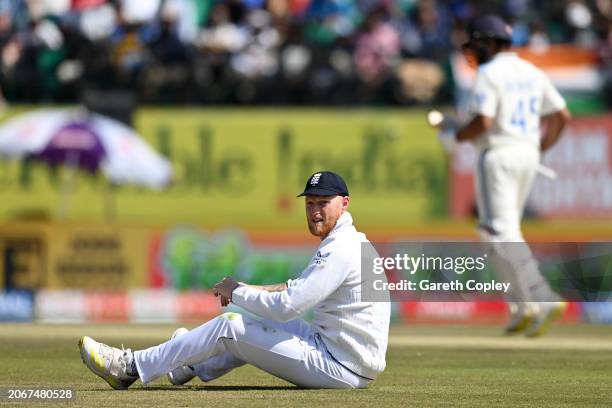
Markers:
point(448, 138)
point(223, 300)
point(225, 289)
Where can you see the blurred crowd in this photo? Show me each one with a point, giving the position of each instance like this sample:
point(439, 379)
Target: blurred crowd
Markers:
point(342, 52)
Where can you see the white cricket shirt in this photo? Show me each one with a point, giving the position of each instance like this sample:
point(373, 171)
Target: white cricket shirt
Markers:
point(355, 332)
point(515, 93)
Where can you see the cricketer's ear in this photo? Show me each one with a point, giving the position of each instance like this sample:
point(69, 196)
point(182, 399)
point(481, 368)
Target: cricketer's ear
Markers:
point(345, 203)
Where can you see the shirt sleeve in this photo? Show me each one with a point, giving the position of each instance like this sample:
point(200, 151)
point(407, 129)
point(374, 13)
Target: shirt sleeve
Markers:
point(293, 282)
point(319, 280)
point(484, 99)
point(552, 101)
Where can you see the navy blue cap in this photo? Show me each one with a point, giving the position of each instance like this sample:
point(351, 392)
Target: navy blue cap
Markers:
point(325, 183)
point(489, 27)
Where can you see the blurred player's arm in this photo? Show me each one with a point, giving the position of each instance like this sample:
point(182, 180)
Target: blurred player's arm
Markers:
point(483, 106)
point(555, 115)
point(474, 128)
point(553, 125)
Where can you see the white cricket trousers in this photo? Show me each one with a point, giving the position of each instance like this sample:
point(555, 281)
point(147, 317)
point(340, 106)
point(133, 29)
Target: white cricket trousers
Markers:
point(291, 351)
point(504, 178)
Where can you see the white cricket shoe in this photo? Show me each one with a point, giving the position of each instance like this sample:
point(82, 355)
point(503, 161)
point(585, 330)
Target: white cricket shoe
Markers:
point(548, 313)
point(109, 363)
point(520, 318)
point(184, 374)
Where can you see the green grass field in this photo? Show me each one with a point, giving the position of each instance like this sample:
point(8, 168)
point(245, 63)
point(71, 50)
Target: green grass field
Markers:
point(455, 366)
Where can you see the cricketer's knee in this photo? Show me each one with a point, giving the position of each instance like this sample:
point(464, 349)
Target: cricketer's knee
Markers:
point(231, 316)
point(233, 322)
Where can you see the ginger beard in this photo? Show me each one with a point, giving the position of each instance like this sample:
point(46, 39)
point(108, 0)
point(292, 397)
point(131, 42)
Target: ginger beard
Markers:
point(322, 213)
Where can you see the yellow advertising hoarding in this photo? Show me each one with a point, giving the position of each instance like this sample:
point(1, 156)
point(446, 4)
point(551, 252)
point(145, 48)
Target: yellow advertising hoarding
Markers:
point(67, 255)
point(243, 168)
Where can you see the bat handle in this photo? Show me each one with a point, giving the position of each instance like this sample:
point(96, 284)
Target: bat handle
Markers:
point(547, 172)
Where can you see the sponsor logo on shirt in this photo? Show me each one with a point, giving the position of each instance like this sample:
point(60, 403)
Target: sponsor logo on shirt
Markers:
point(320, 259)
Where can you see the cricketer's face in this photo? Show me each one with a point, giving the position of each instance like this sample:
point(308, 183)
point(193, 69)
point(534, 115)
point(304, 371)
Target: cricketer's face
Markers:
point(322, 212)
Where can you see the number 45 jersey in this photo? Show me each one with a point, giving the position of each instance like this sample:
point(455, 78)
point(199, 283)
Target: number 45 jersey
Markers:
point(516, 94)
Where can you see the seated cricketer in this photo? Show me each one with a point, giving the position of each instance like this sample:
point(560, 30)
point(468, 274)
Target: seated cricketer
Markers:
point(343, 347)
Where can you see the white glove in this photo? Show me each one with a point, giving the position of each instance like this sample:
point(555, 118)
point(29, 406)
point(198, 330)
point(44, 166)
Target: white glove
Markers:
point(448, 138)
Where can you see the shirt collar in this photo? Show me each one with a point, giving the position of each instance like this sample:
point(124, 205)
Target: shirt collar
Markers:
point(345, 220)
point(506, 54)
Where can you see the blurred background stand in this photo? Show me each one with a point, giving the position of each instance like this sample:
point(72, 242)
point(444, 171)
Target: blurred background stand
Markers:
point(116, 104)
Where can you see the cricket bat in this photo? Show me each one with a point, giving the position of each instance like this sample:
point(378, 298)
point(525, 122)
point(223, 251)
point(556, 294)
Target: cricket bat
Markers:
point(446, 129)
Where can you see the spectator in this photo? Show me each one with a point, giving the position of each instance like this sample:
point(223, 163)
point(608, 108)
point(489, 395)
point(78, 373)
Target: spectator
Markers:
point(263, 51)
point(377, 48)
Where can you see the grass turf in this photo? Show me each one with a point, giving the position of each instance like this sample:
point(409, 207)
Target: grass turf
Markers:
point(426, 366)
